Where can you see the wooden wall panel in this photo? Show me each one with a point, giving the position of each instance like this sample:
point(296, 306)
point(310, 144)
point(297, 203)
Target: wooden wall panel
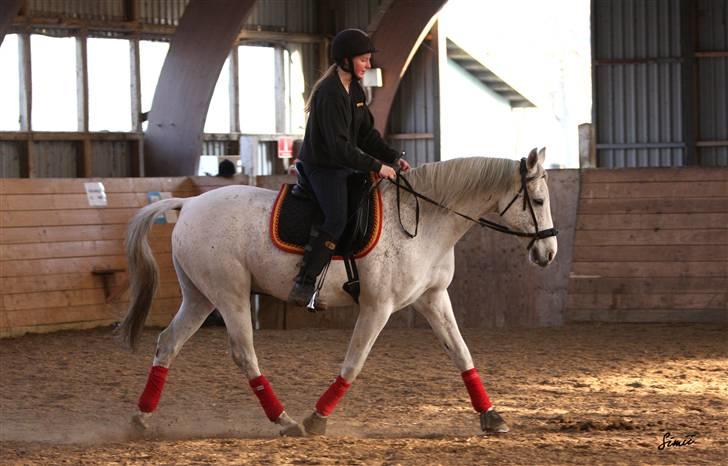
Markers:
point(651, 246)
point(52, 241)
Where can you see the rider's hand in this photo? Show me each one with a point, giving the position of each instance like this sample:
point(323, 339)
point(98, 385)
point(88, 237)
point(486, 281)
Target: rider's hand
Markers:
point(387, 172)
point(404, 165)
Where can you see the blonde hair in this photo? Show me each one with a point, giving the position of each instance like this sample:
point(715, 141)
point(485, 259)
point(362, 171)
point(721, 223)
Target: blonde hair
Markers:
point(309, 101)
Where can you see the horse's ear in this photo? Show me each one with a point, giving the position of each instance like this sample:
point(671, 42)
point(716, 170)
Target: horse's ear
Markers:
point(532, 159)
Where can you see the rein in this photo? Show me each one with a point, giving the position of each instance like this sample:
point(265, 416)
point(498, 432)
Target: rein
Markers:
point(403, 184)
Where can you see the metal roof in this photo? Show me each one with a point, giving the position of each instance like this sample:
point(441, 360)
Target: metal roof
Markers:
point(486, 76)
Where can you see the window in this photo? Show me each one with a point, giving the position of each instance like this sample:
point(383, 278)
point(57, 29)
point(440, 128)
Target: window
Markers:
point(295, 85)
point(151, 58)
point(109, 82)
point(218, 114)
point(9, 84)
point(53, 68)
point(257, 89)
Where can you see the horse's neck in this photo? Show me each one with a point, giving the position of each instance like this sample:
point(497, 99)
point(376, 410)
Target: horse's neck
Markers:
point(450, 227)
point(456, 226)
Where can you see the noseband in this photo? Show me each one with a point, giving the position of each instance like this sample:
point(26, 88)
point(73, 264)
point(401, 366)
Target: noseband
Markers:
point(537, 235)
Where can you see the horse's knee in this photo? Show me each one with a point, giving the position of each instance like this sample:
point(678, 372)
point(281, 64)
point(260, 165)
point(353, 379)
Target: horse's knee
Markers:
point(165, 348)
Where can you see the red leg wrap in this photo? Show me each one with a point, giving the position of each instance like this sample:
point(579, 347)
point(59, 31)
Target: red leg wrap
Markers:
point(478, 396)
point(267, 397)
point(331, 397)
point(155, 383)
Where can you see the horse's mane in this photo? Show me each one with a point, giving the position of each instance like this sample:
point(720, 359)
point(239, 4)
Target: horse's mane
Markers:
point(451, 181)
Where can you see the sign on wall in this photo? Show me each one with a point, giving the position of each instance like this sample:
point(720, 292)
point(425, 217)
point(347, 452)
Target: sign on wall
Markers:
point(96, 194)
point(285, 148)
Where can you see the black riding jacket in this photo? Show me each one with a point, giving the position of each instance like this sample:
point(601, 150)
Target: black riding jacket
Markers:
point(339, 125)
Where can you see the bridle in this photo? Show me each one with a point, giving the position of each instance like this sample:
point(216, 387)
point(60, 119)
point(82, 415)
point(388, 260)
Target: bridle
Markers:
point(402, 184)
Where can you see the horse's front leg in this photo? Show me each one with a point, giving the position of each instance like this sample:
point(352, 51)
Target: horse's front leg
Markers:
point(370, 323)
point(435, 306)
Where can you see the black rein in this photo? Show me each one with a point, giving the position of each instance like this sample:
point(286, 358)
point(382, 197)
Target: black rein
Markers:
point(402, 183)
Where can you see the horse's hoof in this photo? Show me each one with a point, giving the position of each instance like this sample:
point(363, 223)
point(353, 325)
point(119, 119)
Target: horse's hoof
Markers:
point(492, 423)
point(293, 430)
point(315, 424)
point(139, 421)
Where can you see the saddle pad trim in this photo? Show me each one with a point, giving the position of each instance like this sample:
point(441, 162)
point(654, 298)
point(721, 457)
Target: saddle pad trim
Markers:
point(295, 249)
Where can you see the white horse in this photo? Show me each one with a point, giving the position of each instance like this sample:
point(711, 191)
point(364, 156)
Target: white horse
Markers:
point(222, 252)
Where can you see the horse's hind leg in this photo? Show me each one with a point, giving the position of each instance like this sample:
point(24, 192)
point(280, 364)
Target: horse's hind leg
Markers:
point(436, 307)
point(191, 315)
point(234, 306)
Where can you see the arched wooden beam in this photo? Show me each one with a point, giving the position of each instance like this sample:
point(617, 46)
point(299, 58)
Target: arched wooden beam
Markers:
point(7, 14)
point(204, 37)
point(401, 31)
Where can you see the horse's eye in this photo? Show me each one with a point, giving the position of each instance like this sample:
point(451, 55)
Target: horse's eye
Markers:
point(538, 201)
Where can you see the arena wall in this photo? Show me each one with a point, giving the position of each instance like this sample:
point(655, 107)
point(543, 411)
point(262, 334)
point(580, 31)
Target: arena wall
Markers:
point(62, 261)
point(635, 245)
point(651, 246)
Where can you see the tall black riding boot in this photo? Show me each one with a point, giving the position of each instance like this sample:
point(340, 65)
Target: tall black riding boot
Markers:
point(316, 255)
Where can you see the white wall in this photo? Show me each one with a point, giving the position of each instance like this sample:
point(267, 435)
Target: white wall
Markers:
point(474, 119)
point(541, 49)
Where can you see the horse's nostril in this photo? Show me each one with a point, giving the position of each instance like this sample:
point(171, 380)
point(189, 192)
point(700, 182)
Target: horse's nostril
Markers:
point(551, 256)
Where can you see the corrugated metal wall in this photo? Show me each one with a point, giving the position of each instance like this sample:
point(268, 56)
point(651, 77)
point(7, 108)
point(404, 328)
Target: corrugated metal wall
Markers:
point(163, 12)
point(106, 9)
point(360, 13)
point(287, 15)
point(416, 110)
point(652, 106)
point(272, 15)
point(638, 78)
point(712, 27)
point(218, 147)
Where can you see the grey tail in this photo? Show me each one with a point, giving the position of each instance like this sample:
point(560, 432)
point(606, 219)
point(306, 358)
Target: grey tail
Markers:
point(143, 270)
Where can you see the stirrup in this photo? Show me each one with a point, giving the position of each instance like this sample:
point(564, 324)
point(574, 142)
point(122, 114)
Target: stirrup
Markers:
point(311, 306)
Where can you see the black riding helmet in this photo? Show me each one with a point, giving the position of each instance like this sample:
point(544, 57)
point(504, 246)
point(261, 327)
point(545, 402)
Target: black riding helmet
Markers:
point(348, 44)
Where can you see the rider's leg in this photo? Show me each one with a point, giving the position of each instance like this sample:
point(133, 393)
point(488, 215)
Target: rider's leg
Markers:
point(329, 186)
point(435, 306)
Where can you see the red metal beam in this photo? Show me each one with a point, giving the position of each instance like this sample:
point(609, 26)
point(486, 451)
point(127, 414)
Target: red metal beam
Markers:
point(8, 11)
point(401, 31)
point(204, 37)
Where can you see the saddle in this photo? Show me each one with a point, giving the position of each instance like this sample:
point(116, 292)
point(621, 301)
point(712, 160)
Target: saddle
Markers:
point(296, 212)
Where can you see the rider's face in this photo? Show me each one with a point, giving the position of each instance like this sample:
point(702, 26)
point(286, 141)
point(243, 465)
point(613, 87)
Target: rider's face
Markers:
point(361, 64)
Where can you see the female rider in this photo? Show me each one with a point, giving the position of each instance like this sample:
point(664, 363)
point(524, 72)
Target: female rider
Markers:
point(340, 138)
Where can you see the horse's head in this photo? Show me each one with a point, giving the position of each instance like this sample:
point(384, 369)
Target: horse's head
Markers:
point(526, 208)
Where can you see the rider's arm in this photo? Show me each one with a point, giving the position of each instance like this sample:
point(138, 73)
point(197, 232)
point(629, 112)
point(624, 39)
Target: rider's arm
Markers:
point(371, 141)
point(333, 118)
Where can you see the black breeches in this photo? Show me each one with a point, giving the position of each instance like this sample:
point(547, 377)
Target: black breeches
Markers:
point(330, 188)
